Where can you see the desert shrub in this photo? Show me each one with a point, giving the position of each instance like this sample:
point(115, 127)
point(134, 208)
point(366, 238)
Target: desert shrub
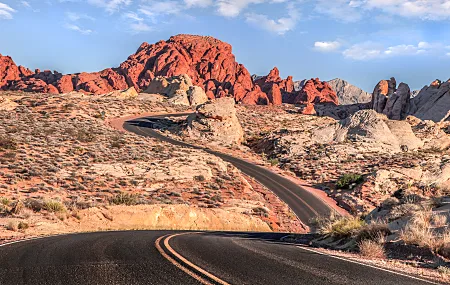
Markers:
point(85, 136)
point(346, 180)
point(117, 141)
point(7, 142)
point(261, 211)
point(13, 226)
point(54, 206)
point(23, 226)
point(372, 249)
point(373, 232)
point(341, 227)
point(200, 178)
point(5, 201)
point(124, 199)
point(274, 161)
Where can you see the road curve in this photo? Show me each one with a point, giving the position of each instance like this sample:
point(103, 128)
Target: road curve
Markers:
point(163, 257)
point(302, 202)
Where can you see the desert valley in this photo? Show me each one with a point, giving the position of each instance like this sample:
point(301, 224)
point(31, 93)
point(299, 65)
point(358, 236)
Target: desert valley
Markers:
point(379, 160)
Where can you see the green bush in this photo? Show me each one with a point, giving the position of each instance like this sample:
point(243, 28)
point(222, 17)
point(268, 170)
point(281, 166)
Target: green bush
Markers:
point(274, 162)
point(348, 179)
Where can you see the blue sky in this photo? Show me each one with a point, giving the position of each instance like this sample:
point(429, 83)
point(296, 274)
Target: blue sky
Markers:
point(361, 41)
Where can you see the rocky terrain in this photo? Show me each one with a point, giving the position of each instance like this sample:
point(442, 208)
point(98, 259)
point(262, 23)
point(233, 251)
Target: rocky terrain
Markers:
point(63, 169)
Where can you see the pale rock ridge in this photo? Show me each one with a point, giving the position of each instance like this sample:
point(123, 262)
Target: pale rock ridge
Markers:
point(348, 93)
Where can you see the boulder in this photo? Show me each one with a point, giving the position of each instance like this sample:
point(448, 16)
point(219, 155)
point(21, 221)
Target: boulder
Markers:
point(129, 93)
point(180, 97)
point(196, 95)
point(216, 121)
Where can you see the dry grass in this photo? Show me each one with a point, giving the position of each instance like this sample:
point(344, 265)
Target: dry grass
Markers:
point(340, 227)
point(372, 249)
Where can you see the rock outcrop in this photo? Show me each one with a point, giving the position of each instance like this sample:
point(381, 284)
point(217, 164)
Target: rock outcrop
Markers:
point(390, 100)
point(178, 89)
point(315, 91)
point(347, 93)
point(280, 91)
point(275, 87)
point(216, 121)
point(209, 62)
point(431, 103)
point(373, 130)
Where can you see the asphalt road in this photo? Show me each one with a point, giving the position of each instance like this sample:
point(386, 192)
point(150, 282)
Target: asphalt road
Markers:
point(158, 257)
point(304, 204)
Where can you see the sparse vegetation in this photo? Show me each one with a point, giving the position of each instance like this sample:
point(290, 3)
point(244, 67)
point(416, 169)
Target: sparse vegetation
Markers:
point(346, 180)
point(54, 206)
point(372, 249)
point(125, 199)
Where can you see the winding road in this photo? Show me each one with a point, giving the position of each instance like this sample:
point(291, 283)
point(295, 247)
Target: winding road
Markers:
point(160, 257)
point(189, 258)
point(303, 203)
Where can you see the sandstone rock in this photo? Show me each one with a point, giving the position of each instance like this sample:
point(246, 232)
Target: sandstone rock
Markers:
point(398, 103)
point(180, 97)
point(129, 93)
point(432, 103)
point(316, 91)
point(372, 130)
point(209, 62)
point(349, 94)
point(7, 105)
point(197, 95)
point(9, 71)
point(216, 121)
point(169, 85)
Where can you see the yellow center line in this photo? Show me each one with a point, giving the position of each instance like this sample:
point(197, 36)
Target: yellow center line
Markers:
point(178, 265)
point(201, 270)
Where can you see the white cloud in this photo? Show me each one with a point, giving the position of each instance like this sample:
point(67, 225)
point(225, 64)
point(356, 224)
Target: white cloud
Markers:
point(370, 50)
point(140, 27)
point(342, 10)
point(279, 26)
point(155, 8)
point(6, 12)
point(355, 10)
point(78, 29)
point(363, 51)
point(72, 16)
point(198, 3)
point(327, 46)
point(110, 6)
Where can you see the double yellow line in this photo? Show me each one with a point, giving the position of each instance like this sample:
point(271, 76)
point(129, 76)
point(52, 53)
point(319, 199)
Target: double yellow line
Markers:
point(185, 265)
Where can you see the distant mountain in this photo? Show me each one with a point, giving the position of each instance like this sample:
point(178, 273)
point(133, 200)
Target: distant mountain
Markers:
point(348, 93)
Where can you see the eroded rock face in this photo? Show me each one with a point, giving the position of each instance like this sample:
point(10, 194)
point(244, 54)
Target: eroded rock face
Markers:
point(209, 62)
point(432, 102)
point(216, 121)
point(390, 100)
point(372, 130)
point(348, 93)
point(10, 71)
point(316, 91)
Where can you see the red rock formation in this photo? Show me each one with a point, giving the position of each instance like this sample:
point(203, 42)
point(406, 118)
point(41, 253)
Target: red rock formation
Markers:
point(273, 86)
point(209, 62)
point(10, 71)
point(316, 91)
